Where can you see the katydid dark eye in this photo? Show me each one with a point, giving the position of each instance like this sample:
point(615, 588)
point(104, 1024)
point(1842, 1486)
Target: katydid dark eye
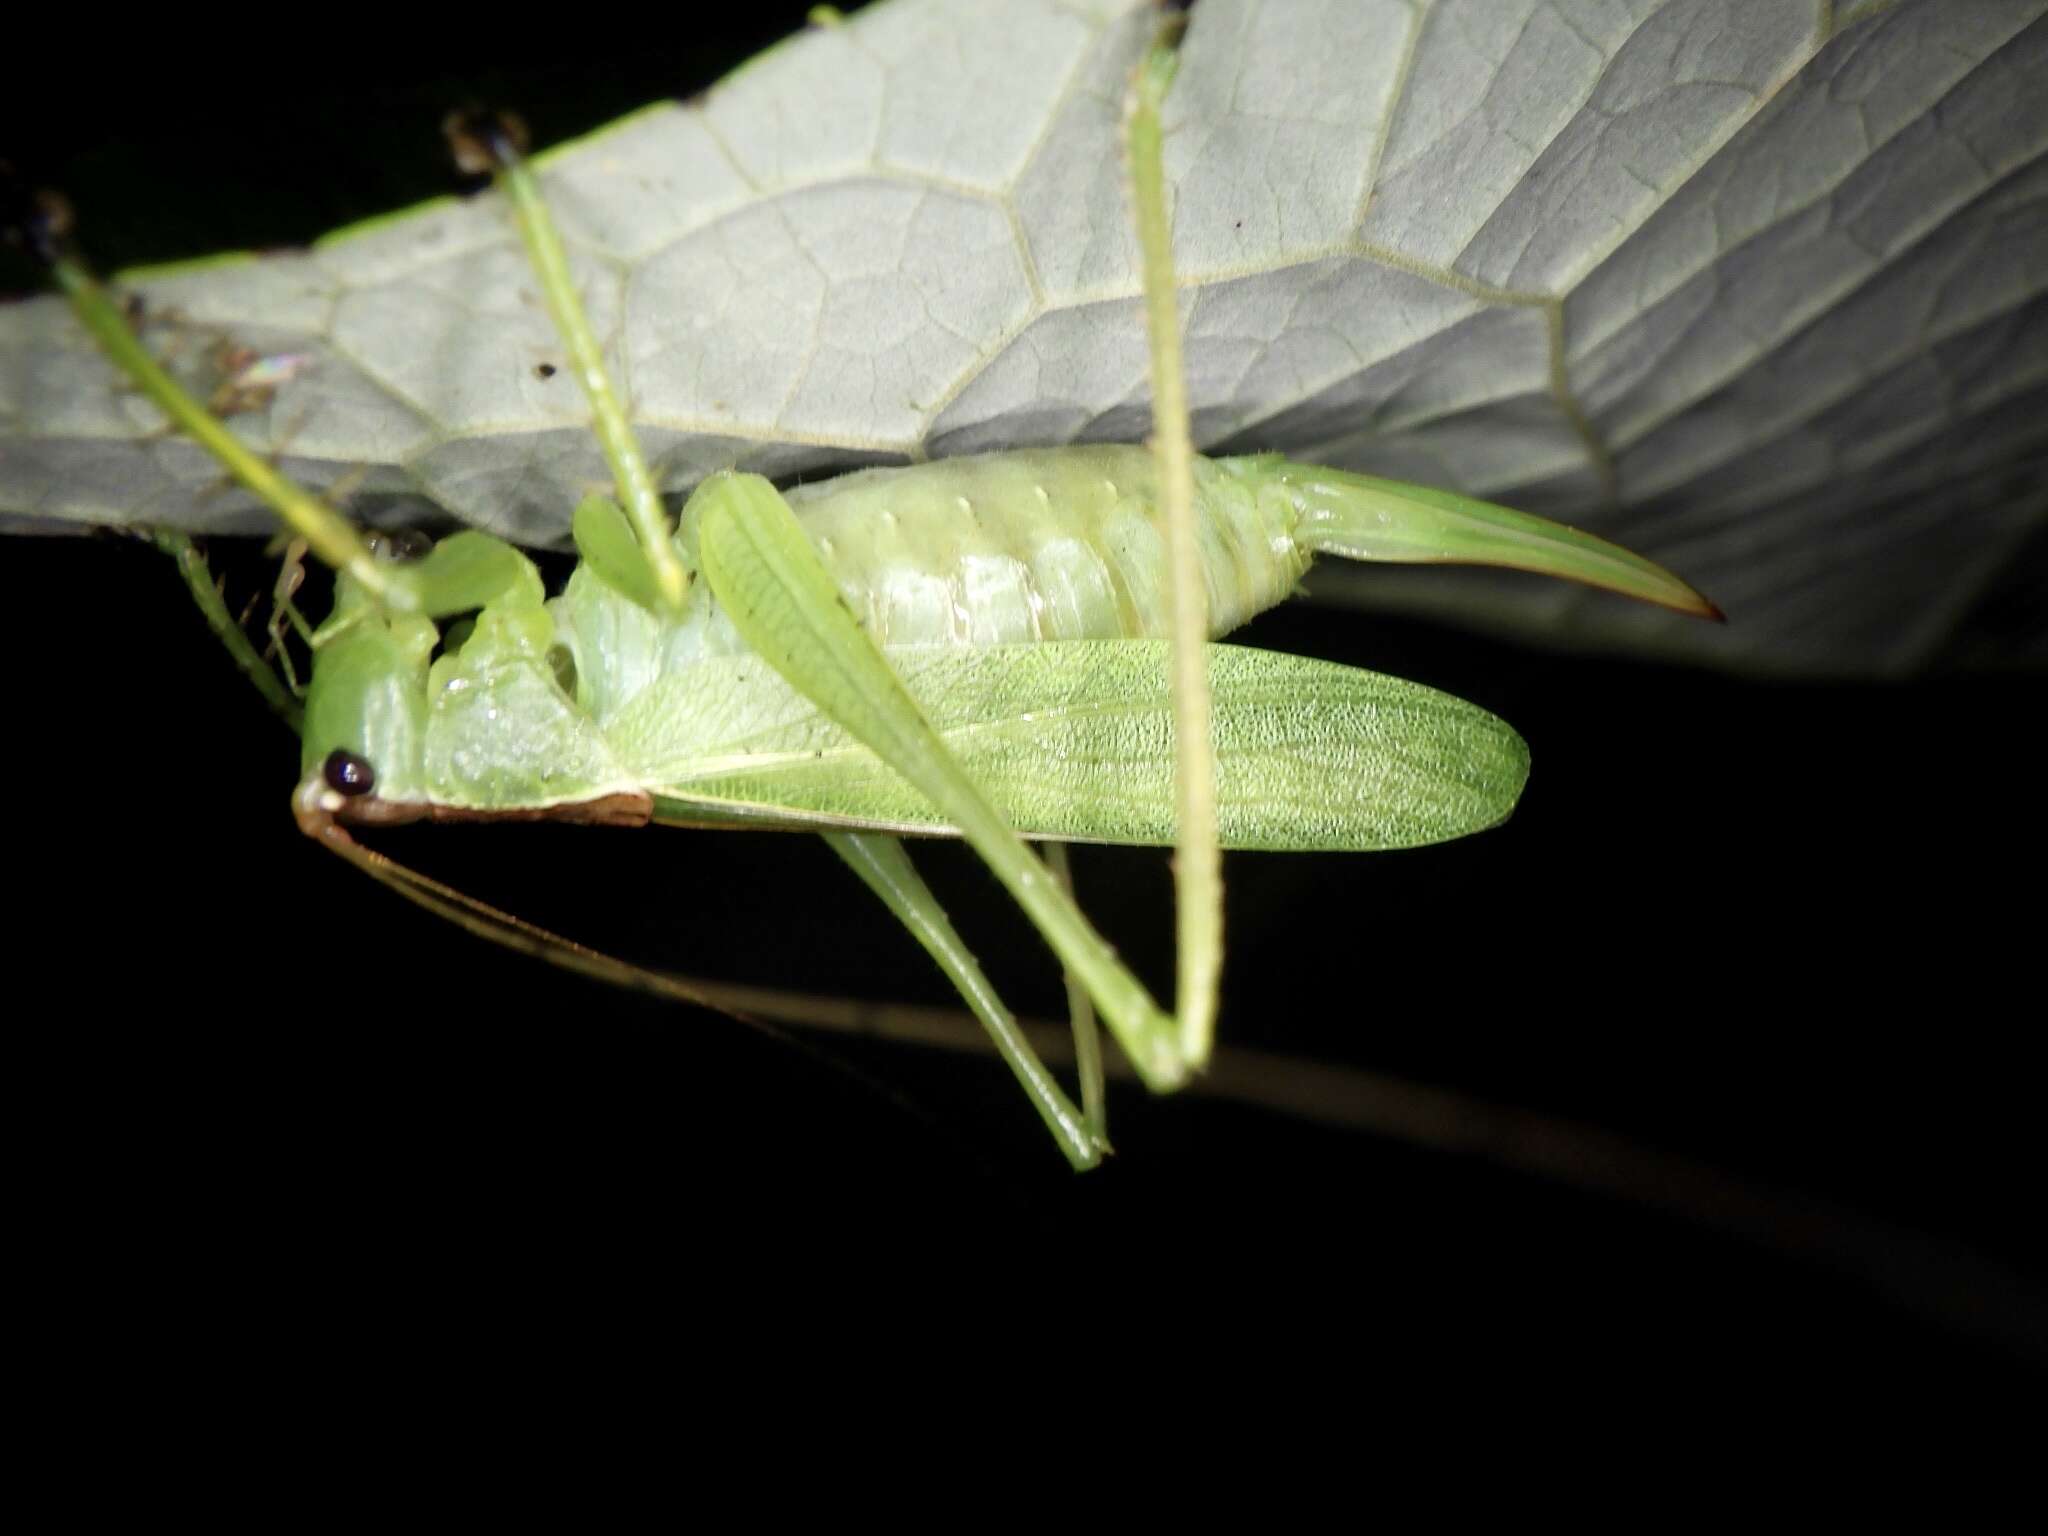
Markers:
point(348, 774)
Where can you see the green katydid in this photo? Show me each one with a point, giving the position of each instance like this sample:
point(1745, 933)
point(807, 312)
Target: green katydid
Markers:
point(618, 718)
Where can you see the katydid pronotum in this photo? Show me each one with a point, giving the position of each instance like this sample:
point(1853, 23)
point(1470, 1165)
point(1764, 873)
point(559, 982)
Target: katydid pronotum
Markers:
point(631, 703)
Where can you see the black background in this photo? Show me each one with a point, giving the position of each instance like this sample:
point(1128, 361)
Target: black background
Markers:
point(1787, 930)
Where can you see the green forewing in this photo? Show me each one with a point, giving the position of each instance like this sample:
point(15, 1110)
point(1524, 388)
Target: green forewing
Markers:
point(1075, 741)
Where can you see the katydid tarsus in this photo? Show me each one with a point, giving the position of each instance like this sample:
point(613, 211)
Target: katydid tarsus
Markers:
point(636, 701)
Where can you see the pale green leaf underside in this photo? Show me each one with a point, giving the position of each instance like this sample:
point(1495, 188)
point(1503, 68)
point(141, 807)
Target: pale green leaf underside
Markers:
point(1075, 741)
point(1755, 288)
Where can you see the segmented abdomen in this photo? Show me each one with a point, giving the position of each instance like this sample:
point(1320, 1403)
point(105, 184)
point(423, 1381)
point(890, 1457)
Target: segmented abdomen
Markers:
point(1053, 544)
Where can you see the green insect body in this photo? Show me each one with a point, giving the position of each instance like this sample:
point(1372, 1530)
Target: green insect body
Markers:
point(959, 570)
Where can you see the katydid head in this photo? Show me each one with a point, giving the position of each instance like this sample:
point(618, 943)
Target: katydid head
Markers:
point(367, 702)
point(477, 715)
